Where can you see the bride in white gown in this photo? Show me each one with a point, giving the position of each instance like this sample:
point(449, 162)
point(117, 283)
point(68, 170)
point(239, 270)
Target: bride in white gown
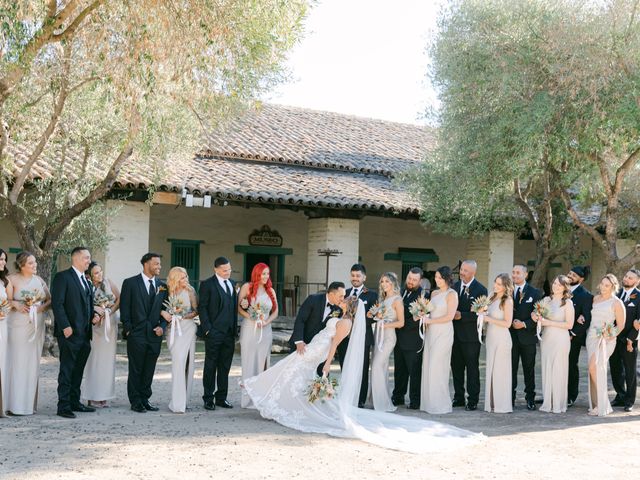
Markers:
point(280, 394)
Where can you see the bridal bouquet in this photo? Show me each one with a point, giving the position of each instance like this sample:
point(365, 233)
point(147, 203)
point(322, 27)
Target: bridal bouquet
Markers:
point(480, 306)
point(541, 307)
point(378, 311)
point(420, 307)
point(322, 388)
point(31, 297)
point(5, 307)
point(105, 301)
point(258, 312)
point(176, 308)
point(607, 331)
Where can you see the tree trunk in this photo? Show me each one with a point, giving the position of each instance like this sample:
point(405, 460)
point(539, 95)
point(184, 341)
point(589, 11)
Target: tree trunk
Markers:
point(541, 267)
point(45, 267)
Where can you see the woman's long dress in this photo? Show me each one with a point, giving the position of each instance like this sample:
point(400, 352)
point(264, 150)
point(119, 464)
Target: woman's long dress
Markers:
point(601, 314)
point(100, 371)
point(255, 346)
point(24, 352)
point(3, 354)
point(385, 340)
point(497, 392)
point(280, 394)
point(554, 361)
point(183, 351)
point(435, 397)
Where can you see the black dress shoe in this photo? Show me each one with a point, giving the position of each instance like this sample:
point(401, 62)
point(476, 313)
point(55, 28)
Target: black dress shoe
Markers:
point(138, 408)
point(397, 403)
point(628, 408)
point(458, 403)
point(618, 402)
point(470, 407)
point(224, 404)
point(361, 405)
point(150, 408)
point(571, 402)
point(413, 406)
point(209, 405)
point(531, 405)
point(82, 408)
point(66, 414)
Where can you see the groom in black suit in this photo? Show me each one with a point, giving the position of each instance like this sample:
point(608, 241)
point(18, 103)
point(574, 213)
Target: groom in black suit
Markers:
point(369, 298)
point(72, 304)
point(523, 335)
point(465, 354)
point(313, 315)
point(218, 310)
point(141, 302)
point(582, 304)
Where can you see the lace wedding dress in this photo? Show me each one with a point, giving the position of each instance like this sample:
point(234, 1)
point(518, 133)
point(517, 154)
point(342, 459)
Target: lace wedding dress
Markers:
point(280, 394)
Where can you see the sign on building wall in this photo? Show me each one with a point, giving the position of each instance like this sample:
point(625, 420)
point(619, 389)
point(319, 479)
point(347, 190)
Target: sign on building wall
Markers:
point(265, 237)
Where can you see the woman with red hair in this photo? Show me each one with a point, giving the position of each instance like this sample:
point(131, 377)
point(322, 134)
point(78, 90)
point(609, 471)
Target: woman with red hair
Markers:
point(258, 306)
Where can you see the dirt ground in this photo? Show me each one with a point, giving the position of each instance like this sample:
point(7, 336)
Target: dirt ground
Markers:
point(116, 443)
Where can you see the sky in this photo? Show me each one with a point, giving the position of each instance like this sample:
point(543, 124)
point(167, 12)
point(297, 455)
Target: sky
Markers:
point(363, 57)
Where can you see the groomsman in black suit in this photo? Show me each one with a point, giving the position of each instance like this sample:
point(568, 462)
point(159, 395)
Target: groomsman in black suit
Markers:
point(625, 356)
point(313, 315)
point(141, 302)
point(523, 334)
point(465, 354)
point(369, 298)
point(218, 310)
point(72, 304)
point(582, 303)
point(407, 354)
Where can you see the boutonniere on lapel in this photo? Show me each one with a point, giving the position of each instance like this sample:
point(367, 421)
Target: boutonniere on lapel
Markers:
point(521, 294)
point(633, 296)
point(364, 290)
point(466, 291)
point(335, 314)
point(160, 289)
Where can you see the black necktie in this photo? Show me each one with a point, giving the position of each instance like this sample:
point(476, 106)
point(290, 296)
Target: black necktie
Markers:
point(227, 287)
point(516, 294)
point(355, 293)
point(152, 292)
point(85, 284)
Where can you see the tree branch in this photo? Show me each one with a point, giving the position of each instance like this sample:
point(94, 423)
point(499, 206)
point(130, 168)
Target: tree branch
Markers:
point(526, 208)
point(624, 170)
point(592, 232)
point(73, 26)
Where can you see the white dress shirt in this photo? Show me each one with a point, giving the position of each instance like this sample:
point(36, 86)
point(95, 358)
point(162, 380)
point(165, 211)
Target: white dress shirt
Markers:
point(81, 277)
point(146, 282)
point(225, 284)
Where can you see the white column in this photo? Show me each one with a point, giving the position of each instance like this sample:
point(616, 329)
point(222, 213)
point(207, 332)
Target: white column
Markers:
point(336, 234)
point(494, 255)
point(129, 230)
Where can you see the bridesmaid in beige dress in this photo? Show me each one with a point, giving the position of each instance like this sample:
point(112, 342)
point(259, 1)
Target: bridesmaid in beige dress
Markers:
point(25, 336)
point(435, 397)
point(100, 371)
point(385, 340)
point(497, 392)
point(5, 286)
point(256, 336)
point(555, 345)
point(182, 341)
point(607, 309)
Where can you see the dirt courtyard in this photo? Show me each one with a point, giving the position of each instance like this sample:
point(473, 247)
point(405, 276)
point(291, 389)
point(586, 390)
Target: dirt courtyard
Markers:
point(116, 443)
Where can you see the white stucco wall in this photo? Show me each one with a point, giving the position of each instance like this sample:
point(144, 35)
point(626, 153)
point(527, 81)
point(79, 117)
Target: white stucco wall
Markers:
point(335, 234)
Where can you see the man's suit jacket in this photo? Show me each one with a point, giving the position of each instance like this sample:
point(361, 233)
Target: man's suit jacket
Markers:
point(137, 315)
point(582, 304)
point(218, 310)
point(522, 308)
point(72, 305)
point(465, 329)
point(408, 337)
point(632, 306)
point(310, 319)
point(369, 298)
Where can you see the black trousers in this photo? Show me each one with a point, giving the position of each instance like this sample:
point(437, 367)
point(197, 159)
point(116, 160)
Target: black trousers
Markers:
point(574, 375)
point(364, 386)
point(623, 372)
point(407, 372)
point(526, 353)
point(143, 356)
point(73, 358)
point(466, 356)
point(217, 363)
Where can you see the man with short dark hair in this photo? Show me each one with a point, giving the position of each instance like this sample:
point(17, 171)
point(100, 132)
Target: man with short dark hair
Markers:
point(582, 303)
point(218, 309)
point(407, 354)
point(369, 298)
point(72, 304)
point(625, 356)
point(141, 302)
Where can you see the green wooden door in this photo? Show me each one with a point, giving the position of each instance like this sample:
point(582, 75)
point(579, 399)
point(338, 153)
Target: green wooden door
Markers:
point(186, 254)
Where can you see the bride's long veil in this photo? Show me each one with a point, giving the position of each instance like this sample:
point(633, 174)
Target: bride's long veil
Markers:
point(398, 432)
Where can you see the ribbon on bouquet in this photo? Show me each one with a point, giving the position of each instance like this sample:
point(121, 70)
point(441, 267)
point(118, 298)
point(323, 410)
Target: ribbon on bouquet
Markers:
point(601, 354)
point(258, 323)
point(380, 334)
point(33, 317)
point(422, 329)
point(539, 329)
point(175, 325)
point(107, 324)
point(479, 323)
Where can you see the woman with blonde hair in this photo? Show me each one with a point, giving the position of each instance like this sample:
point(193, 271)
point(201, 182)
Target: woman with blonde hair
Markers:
point(181, 336)
point(388, 320)
point(608, 316)
point(499, 315)
point(555, 345)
